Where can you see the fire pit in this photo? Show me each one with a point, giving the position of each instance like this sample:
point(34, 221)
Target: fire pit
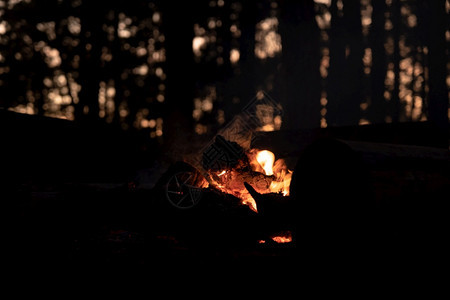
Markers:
point(227, 173)
point(231, 175)
point(237, 180)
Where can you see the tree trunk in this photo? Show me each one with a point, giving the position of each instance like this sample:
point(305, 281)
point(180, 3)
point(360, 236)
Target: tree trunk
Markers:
point(247, 59)
point(336, 80)
point(301, 60)
point(377, 108)
point(90, 68)
point(353, 94)
point(438, 97)
point(346, 66)
point(178, 29)
point(396, 20)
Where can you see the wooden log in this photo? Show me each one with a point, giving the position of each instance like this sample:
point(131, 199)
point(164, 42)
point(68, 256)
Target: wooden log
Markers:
point(276, 211)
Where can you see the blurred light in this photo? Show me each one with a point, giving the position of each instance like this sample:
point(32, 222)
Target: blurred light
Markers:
point(48, 28)
point(198, 43)
point(141, 51)
point(159, 72)
point(326, 2)
point(123, 112)
point(366, 16)
point(207, 105)
point(324, 20)
point(52, 57)
point(367, 60)
point(144, 123)
point(3, 27)
point(324, 65)
point(234, 56)
point(156, 18)
point(200, 129)
point(110, 92)
point(220, 117)
point(74, 25)
point(267, 40)
point(141, 70)
point(388, 25)
point(211, 24)
point(364, 122)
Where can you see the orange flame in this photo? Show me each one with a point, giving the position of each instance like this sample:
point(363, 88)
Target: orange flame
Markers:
point(266, 159)
point(278, 168)
point(274, 177)
point(222, 173)
point(285, 237)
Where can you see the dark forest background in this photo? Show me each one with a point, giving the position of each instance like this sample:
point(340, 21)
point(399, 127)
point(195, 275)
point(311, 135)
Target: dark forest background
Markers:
point(155, 68)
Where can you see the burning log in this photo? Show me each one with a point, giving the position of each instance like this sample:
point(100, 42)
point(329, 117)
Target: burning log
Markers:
point(217, 193)
point(273, 206)
point(277, 211)
point(228, 166)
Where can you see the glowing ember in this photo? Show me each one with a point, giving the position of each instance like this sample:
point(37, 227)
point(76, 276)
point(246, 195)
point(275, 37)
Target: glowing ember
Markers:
point(282, 238)
point(286, 237)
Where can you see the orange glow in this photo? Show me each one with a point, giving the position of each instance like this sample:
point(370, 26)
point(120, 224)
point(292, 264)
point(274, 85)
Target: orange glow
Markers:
point(267, 175)
point(266, 159)
point(286, 237)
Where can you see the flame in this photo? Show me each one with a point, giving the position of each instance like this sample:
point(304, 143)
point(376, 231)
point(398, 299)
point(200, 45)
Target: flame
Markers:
point(285, 237)
point(278, 168)
point(281, 238)
point(267, 175)
point(266, 159)
point(222, 173)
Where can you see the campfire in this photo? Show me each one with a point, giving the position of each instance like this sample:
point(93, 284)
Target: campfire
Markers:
point(246, 175)
point(259, 169)
point(231, 175)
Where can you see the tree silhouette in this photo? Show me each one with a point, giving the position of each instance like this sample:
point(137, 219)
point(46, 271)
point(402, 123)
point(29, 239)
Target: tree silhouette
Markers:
point(300, 59)
point(131, 65)
point(378, 109)
point(438, 99)
point(346, 52)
